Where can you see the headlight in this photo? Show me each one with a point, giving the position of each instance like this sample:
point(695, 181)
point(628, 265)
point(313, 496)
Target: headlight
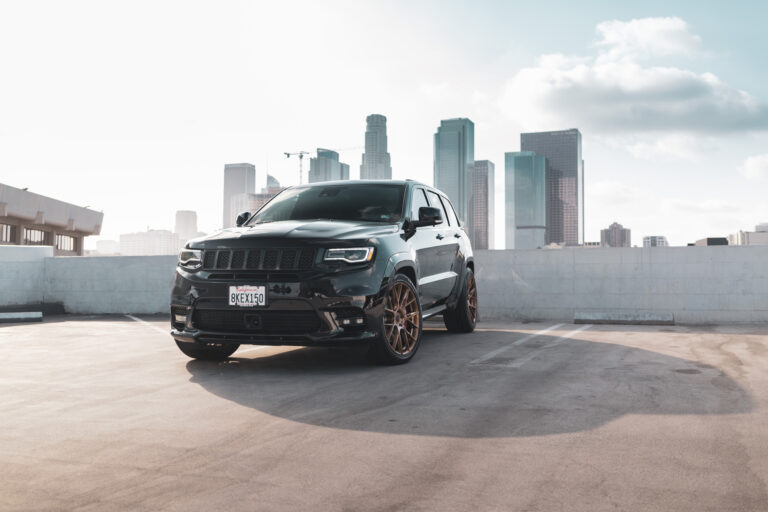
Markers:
point(351, 255)
point(190, 258)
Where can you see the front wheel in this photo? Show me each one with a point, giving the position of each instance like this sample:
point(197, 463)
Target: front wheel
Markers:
point(208, 351)
point(400, 334)
point(463, 316)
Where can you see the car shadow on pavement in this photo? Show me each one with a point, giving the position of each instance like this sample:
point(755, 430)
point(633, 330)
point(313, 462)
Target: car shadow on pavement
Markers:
point(539, 388)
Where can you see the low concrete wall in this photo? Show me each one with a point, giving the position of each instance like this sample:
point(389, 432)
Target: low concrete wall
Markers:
point(697, 285)
point(126, 284)
point(21, 273)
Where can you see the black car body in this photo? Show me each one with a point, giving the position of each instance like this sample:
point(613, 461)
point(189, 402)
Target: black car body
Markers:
point(283, 279)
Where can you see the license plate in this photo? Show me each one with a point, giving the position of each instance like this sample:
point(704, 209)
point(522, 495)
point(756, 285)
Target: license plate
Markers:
point(247, 296)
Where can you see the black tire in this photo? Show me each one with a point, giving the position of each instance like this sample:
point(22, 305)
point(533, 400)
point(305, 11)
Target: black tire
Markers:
point(400, 332)
point(463, 316)
point(208, 351)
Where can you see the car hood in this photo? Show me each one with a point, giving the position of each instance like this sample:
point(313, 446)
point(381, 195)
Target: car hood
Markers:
point(311, 229)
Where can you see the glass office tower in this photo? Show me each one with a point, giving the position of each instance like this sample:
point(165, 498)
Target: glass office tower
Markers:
point(525, 200)
point(453, 160)
point(480, 225)
point(238, 179)
point(326, 167)
point(565, 182)
point(376, 163)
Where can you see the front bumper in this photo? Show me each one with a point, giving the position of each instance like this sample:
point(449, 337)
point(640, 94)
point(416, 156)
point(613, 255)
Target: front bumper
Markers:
point(320, 310)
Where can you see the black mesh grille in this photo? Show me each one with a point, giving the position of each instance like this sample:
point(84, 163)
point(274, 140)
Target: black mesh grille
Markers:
point(260, 259)
point(222, 261)
point(306, 259)
point(266, 322)
point(238, 258)
point(254, 257)
point(209, 259)
point(288, 258)
point(270, 259)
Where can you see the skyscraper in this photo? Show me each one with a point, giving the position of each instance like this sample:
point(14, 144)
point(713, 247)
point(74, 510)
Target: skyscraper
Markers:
point(480, 212)
point(453, 160)
point(326, 167)
point(238, 179)
point(525, 200)
point(376, 164)
point(186, 225)
point(616, 235)
point(655, 241)
point(565, 182)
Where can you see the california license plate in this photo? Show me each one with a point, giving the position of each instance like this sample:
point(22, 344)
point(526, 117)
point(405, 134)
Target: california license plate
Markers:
point(247, 296)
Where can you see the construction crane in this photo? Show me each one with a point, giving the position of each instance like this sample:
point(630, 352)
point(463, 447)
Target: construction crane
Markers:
point(299, 154)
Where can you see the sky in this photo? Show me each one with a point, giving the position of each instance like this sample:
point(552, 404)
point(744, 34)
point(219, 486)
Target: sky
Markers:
point(133, 108)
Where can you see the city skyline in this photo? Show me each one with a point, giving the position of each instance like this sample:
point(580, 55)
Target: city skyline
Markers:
point(663, 94)
point(454, 156)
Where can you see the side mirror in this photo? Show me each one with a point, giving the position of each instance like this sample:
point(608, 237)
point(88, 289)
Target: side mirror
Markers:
point(242, 218)
point(429, 216)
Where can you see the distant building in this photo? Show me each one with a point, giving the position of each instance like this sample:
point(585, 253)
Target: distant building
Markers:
point(565, 182)
point(712, 241)
point(616, 235)
point(326, 167)
point(376, 163)
point(655, 241)
point(238, 179)
point(154, 242)
point(525, 200)
point(186, 224)
point(454, 155)
point(27, 218)
point(480, 222)
point(592, 245)
point(757, 237)
point(253, 202)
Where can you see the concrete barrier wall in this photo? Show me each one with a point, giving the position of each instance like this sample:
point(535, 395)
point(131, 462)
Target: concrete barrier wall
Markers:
point(125, 284)
point(695, 284)
point(21, 273)
point(718, 284)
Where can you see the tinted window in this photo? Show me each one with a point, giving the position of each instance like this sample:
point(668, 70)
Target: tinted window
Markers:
point(447, 206)
point(417, 201)
point(434, 200)
point(369, 202)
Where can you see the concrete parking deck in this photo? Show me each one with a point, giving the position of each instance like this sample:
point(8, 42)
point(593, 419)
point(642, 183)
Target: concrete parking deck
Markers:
point(104, 413)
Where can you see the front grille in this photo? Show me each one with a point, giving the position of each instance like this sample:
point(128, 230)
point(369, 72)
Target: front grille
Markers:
point(261, 321)
point(259, 259)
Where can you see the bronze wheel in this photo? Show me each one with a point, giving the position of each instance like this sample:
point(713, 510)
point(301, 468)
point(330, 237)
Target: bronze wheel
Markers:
point(400, 334)
point(402, 319)
point(462, 317)
point(471, 297)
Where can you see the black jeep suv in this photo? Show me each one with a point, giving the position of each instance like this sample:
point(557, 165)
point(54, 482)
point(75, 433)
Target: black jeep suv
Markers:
point(324, 264)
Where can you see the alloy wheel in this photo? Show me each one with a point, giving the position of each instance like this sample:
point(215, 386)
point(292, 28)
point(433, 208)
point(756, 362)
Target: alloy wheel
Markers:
point(402, 319)
point(472, 298)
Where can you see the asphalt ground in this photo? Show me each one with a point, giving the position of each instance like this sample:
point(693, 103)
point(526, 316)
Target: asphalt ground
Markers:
point(104, 413)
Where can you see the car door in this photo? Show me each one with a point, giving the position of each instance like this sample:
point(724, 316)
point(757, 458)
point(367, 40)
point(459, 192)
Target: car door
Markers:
point(424, 241)
point(443, 273)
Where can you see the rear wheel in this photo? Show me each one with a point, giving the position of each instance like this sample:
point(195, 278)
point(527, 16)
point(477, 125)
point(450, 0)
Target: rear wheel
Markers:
point(463, 316)
point(208, 351)
point(400, 335)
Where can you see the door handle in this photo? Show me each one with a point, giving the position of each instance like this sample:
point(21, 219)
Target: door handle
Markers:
point(439, 236)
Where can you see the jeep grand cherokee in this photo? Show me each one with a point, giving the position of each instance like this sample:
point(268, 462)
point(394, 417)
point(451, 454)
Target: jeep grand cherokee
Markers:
point(332, 263)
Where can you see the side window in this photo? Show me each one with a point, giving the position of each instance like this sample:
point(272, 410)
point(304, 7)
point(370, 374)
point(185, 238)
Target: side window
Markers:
point(417, 201)
point(447, 206)
point(434, 200)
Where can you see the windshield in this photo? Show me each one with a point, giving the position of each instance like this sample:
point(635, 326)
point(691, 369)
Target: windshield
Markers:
point(368, 202)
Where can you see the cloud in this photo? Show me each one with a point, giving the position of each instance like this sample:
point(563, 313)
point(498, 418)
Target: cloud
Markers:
point(617, 91)
point(646, 38)
point(671, 147)
point(755, 167)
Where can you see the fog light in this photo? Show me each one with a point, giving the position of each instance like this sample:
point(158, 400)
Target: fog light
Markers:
point(181, 319)
point(346, 321)
point(359, 321)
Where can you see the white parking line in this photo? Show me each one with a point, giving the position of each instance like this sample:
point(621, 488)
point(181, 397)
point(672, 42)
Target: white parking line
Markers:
point(498, 351)
point(151, 326)
point(520, 362)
